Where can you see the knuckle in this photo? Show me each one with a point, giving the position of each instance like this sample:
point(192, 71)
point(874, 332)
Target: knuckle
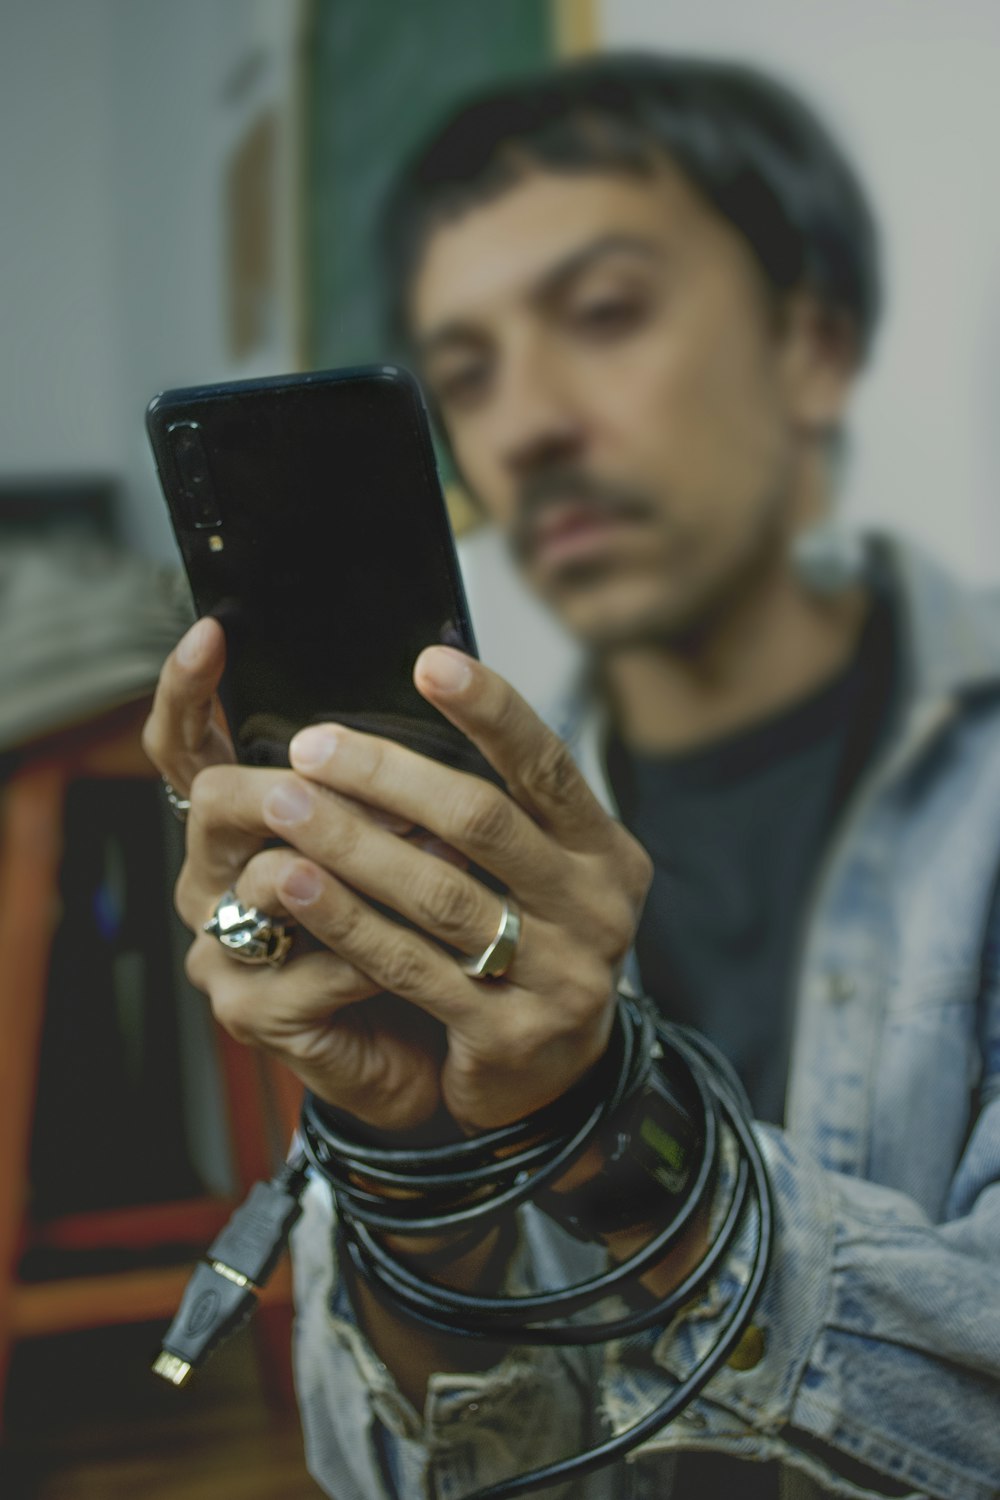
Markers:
point(633, 865)
point(230, 1010)
point(487, 819)
point(518, 1044)
point(446, 902)
point(194, 967)
point(404, 971)
point(554, 774)
point(370, 762)
point(617, 925)
point(505, 709)
point(583, 992)
point(605, 912)
point(152, 740)
point(186, 897)
point(208, 790)
point(347, 827)
point(261, 876)
point(342, 922)
point(213, 975)
point(639, 867)
point(303, 1049)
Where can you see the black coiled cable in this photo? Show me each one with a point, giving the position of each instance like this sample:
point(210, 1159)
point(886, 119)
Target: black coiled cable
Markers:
point(471, 1184)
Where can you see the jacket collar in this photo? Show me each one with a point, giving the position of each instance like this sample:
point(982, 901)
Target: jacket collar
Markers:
point(949, 634)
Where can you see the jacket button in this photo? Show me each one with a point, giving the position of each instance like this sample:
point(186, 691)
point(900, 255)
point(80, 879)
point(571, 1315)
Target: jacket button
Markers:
point(750, 1350)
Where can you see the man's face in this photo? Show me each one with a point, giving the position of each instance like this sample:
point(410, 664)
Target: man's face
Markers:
point(618, 395)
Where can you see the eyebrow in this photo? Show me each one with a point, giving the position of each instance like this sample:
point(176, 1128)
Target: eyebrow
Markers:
point(549, 284)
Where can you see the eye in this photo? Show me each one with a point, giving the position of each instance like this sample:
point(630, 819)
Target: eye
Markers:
point(608, 316)
point(463, 384)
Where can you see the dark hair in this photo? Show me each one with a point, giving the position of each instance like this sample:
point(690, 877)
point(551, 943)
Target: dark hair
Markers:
point(746, 142)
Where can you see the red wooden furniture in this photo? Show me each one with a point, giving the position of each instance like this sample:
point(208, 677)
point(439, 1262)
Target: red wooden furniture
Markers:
point(262, 1099)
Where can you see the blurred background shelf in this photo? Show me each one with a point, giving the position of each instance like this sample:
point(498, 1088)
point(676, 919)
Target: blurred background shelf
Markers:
point(124, 1263)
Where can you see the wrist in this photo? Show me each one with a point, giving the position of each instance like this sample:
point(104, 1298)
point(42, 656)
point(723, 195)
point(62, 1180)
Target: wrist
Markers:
point(436, 1130)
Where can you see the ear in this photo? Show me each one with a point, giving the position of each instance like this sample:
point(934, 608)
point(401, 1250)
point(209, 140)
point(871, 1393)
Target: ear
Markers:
point(819, 359)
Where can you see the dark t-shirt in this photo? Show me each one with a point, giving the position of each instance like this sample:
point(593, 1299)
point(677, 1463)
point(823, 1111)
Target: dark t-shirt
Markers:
point(737, 831)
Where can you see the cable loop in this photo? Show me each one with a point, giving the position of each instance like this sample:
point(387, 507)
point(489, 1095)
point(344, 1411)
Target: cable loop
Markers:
point(462, 1187)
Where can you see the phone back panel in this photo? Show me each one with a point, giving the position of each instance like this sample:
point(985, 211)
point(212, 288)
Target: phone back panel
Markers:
point(311, 522)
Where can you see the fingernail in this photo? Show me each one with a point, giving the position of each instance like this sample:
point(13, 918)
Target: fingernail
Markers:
point(311, 747)
point(301, 884)
point(288, 803)
point(445, 669)
point(192, 649)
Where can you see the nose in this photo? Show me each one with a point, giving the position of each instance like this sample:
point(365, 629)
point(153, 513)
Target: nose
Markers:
point(539, 423)
point(545, 441)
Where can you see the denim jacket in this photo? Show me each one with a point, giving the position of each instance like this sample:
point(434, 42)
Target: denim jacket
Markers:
point(879, 1367)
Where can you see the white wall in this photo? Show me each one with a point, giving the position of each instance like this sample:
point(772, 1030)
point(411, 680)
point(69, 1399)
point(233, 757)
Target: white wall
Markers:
point(187, 78)
point(117, 118)
point(58, 374)
point(910, 87)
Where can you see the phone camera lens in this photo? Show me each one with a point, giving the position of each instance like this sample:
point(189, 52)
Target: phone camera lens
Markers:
point(193, 473)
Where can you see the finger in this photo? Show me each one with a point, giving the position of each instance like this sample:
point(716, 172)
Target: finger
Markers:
point(431, 845)
point(185, 731)
point(463, 810)
point(535, 763)
point(349, 1046)
point(226, 828)
point(399, 960)
point(262, 1004)
point(224, 831)
point(257, 886)
point(428, 890)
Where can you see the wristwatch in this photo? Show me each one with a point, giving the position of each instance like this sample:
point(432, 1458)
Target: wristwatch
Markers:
point(650, 1158)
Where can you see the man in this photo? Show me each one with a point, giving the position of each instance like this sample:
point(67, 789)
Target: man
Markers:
point(638, 292)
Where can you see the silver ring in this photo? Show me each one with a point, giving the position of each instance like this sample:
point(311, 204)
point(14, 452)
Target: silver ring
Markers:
point(497, 957)
point(179, 806)
point(247, 933)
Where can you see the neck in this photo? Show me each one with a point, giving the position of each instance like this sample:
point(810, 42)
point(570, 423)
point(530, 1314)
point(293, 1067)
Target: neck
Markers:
point(769, 649)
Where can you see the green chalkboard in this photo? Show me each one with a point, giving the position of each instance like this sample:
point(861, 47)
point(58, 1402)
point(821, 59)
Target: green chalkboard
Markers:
point(380, 74)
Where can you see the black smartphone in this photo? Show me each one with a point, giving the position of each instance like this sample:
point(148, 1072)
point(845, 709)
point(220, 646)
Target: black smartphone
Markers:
point(312, 525)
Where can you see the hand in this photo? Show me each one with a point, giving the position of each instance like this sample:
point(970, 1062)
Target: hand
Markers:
point(380, 1060)
point(494, 1051)
point(578, 877)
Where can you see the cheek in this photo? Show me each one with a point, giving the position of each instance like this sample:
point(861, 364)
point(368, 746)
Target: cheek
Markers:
point(699, 416)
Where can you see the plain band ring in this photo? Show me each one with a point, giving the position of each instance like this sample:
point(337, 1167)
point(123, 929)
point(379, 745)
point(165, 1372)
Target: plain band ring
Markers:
point(247, 933)
point(497, 957)
point(179, 806)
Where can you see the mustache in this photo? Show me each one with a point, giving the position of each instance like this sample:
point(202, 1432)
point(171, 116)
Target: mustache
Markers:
point(541, 491)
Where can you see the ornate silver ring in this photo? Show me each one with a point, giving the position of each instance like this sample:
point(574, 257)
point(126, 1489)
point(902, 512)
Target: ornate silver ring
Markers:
point(249, 934)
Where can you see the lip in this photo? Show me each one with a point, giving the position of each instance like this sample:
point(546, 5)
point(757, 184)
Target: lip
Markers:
point(573, 533)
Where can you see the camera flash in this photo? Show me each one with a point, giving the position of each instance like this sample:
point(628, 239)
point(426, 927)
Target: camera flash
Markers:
point(215, 544)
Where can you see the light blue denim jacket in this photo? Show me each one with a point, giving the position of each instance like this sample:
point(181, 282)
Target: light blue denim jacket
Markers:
point(881, 1313)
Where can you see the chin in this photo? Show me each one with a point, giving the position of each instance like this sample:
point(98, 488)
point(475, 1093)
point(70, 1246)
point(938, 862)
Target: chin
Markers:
point(623, 613)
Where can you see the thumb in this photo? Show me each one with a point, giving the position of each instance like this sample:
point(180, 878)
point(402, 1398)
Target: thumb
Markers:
point(186, 730)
